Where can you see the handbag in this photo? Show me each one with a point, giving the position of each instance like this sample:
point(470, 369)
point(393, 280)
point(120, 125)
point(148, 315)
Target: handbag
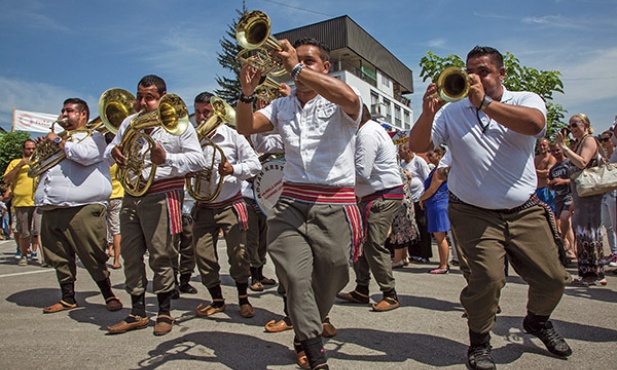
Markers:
point(596, 180)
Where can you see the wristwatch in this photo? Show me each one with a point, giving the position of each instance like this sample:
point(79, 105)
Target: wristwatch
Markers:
point(485, 102)
point(57, 140)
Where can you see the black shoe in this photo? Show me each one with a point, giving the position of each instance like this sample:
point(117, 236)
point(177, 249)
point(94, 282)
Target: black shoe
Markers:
point(185, 287)
point(480, 357)
point(175, 294)
point(549, 336)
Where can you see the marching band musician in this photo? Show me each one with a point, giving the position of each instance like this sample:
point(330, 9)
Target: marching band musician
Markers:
point(227, 212)
point(316, 218)
point(73, 195)
point(150, 222)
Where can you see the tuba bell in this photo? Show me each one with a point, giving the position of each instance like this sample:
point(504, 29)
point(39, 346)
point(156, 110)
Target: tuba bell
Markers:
point(172, 115)
point(452, 84)
point(222, 113)
point(114, 106)
point(253, 35)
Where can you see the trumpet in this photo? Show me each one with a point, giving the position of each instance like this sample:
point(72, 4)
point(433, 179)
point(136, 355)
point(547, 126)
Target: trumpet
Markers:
point(253, 35)
point(222, 113)
point(452, 84)
point(114, 106)
point(172, 115)
point(268, 90)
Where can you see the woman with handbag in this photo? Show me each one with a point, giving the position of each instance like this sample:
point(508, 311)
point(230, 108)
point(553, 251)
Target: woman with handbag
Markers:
point(586, 220)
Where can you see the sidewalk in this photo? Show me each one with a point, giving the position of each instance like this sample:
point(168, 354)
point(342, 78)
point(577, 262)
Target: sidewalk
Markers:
point(427, 332)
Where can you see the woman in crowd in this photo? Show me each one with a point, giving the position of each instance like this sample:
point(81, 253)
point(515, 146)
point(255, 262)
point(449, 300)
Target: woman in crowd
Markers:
point(608, 202)
point(586, 220)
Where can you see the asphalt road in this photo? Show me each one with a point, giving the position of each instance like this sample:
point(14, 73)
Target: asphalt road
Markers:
point(426, 332)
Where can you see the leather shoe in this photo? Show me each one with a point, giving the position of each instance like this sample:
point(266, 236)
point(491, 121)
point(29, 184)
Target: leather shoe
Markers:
point(134, 322)
point(274, 326)
point(164, 324)
point(386, 304)
point(328, 330)
point(247, 310)
point(113, 304)
point(209, 310)
point(267, 281)
point(60, 306)
point(187, 288)
point(256, 286)
point(353, 297)
point(302, 360)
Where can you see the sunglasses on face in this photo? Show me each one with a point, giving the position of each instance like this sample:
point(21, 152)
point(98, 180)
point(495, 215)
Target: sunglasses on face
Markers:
point(605, 139)
point(573, 125)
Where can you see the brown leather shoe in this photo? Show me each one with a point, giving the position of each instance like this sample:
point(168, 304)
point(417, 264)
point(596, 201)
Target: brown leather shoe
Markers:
point(164, 324)
point(353, 297)
point(247, 311)
point(274, 326)
point(113, 304)
point(209, 310)
point(256, 286)
point(267, 281)
point(124, 325)
point(386, 304)
point(60, 306)
point(328, 330)
point(302, 360)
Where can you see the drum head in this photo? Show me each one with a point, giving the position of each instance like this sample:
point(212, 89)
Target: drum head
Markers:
point(268, 185)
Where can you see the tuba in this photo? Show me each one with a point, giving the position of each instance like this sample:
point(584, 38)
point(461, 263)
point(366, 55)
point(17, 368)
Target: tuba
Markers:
point(452, 84)
point(172, 115)
point(253, 34)
point(114, 106)
point(222, 113)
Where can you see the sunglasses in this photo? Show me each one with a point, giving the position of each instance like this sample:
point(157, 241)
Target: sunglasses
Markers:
point(573, 125)
point(605, 139)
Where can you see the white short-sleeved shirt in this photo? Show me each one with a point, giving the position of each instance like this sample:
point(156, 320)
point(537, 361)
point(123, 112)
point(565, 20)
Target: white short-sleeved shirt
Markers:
point(319, 140)
point(492, 166)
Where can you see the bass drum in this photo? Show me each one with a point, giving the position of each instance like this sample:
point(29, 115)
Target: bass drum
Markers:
point(268, 184)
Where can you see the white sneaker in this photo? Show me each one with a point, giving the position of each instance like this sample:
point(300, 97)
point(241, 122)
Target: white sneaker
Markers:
point(23, 261)
point(613, 261)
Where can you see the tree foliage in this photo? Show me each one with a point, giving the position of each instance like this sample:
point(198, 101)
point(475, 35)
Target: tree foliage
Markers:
point(518, 78)
point(10, 147)
point(230, 86)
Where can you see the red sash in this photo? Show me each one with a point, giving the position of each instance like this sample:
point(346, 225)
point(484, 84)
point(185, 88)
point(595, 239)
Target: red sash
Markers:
point(174, 191)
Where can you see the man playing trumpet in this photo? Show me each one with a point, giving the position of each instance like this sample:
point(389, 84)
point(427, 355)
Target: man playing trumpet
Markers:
point(73, 196)
point(150, 221)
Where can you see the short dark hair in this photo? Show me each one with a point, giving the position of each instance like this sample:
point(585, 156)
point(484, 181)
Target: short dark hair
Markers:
point(80, 103)
point(204, 97)
point(324, 51)
point(480, 51)
point(150, 80)
point(23, 145)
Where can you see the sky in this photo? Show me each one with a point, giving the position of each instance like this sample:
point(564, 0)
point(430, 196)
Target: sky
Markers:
point(53, 50)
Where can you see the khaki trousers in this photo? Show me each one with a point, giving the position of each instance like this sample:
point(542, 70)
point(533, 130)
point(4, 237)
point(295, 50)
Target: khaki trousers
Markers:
point(206, 225)
point(75, 231)
point(144, 225)
point(484, 237)
point(310, 247)
point(375, 256)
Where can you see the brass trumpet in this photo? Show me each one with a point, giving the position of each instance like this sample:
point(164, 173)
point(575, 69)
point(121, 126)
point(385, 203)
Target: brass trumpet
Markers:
point(114, 106)
point(222, 113)
point(253, 34)
point(172, 115)
point(452, 84)
point(268, 90)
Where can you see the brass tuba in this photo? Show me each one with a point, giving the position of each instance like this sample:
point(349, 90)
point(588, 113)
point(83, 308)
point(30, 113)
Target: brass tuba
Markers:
point(114, 106)
point(452, 84)
point(172, 115)
point(222, 113)
point(253, 34)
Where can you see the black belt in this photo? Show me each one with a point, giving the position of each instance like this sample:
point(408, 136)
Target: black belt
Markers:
point(532, 201)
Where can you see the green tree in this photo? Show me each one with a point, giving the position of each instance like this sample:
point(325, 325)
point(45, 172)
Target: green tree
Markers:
point(518, 78)
point(230, 86)
point(10, 147)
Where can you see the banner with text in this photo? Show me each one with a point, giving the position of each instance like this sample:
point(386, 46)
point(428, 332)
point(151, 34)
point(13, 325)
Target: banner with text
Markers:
point(33, 121)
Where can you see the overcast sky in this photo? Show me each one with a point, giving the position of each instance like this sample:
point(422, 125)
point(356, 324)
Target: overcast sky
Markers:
point(52, 50)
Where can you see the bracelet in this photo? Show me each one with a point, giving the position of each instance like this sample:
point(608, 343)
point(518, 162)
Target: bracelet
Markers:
point(295, 71)
point(565, 148)
point(486, 100)
point(246, 99)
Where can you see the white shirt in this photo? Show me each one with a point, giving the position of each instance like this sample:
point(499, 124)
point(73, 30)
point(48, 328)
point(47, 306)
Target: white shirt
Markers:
point(184, 153)
point(240, 155)
point(82, 178)
point(376, 163)
point(267, 143)
point(419, 173)
point(493, 169)
point(319, 140)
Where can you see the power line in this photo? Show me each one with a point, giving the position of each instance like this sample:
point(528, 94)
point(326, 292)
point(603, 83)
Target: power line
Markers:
point(297, 8)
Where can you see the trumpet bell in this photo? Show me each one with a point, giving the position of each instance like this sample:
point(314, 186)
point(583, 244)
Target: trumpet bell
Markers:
point(453, 84)
point(114, 106)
